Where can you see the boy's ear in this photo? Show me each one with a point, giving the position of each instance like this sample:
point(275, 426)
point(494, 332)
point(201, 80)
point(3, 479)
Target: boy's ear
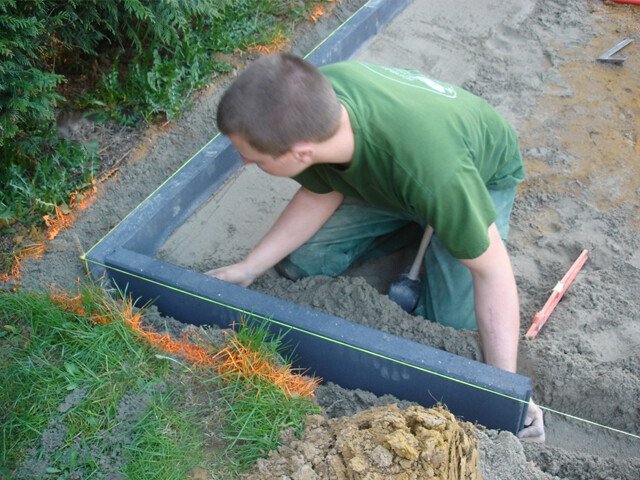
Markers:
point(303, 152)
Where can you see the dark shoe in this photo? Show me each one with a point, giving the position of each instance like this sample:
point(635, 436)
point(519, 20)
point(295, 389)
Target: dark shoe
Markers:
point(289, 270)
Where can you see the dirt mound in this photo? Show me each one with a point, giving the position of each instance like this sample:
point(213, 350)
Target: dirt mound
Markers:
point(376, 444)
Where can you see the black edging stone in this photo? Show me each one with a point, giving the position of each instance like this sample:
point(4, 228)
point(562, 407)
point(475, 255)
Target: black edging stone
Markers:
point(336, 349)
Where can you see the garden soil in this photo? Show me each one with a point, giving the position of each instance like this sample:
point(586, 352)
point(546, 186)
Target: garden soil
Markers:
point(579, 126)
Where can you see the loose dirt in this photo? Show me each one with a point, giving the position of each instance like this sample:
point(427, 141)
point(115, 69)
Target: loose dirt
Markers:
point(377, 444)
point(579, 122)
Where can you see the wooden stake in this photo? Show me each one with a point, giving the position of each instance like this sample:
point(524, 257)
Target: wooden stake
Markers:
point(559, 290)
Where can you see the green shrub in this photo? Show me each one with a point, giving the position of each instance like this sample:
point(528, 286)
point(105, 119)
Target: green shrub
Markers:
point(27, 90)
point(45, 170)
point(130, 60)
point(159, 75)
point(38, 170)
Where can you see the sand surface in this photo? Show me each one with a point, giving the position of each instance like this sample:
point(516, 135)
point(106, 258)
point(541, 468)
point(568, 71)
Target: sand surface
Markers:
point(579, 122)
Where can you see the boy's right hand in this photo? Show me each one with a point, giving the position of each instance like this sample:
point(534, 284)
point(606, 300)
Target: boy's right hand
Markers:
point(298, 222)
point(534, 425)
point(238, 273)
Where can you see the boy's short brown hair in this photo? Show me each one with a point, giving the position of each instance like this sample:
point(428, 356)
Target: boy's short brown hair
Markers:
point(279, 100)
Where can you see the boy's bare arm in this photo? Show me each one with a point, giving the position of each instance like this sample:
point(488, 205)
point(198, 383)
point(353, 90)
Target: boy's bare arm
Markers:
point(496, 303)
point(300, 220)
point(498, 316)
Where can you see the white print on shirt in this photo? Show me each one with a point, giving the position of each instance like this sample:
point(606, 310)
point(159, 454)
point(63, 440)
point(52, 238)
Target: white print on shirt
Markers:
point(412, 78)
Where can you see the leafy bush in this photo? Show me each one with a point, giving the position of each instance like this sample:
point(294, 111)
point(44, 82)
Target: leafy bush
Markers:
point(37, 169)
point(27, 93)
point(178, 58)
point(155, 56)
point(46, 170)
point(129, 60)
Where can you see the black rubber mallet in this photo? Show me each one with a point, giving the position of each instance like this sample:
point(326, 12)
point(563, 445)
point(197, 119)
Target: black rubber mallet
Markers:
point(405, 290)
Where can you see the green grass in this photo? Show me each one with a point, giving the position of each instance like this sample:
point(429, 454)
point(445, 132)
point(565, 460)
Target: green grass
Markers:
point(84, 398)
point(256, 410)
point(75, 396)
point(166, 445)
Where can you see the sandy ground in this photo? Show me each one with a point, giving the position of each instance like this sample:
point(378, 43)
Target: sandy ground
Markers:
point(578, 121)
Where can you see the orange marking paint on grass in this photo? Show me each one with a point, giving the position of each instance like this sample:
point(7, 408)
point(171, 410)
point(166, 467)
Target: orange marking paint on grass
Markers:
point(277, 43)
point(318, 12)
point(75, 305)
point(164, 342)
point(60, 221)
point(55, 223)
point(280, 41)
point(235, 358)
point(238, 359)
point(13, 275)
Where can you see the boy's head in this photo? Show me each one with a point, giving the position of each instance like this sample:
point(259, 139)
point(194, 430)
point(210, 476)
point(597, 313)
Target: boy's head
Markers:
point(278, 101)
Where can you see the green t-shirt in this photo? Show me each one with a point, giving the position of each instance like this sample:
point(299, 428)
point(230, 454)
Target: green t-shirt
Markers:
point(422, 147)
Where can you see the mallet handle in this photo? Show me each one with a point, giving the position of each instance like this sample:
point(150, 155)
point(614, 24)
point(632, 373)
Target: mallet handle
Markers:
point(424, 243)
